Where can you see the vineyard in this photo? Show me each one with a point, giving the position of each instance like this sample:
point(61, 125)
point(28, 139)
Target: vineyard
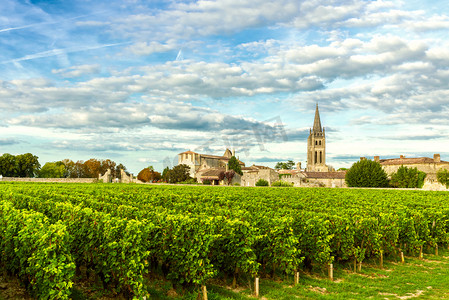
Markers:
point(50, 233)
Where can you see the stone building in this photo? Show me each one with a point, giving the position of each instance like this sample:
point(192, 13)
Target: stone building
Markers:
point(253, 173)
point(213, 176)
point(317, 173)
point(425, 164)
point(200, 163)
point(209, 167)
point(124, 177)
point(316, 146)
point(314, 179)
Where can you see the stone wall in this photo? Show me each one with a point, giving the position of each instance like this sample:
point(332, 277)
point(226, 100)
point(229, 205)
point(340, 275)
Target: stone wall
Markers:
point(58, 180)
point(430, 169)
point(126, 178)
point(433, 186)
point(191, 160)
point(250, 178)
point(107, 177)
point(300, 180)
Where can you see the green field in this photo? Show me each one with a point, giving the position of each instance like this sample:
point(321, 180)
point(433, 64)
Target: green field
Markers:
point(100, 240)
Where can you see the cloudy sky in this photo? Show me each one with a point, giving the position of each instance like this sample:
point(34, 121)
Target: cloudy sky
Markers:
point(140, 81)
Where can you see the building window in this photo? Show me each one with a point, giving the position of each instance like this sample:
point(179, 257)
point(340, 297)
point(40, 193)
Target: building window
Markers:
point(320, 143)
point(316, 157)
point(321, 157)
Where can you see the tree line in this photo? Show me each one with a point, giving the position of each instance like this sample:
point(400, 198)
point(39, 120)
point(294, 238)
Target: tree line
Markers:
point(27, 165)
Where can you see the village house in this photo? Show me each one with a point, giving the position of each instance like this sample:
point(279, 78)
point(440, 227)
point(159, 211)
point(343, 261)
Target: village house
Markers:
point(428, 165)
point(206, 166)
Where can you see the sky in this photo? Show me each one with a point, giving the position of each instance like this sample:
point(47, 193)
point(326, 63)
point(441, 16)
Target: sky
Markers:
point(140, 81)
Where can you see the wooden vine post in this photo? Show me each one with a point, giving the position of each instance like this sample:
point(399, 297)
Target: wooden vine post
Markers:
point(331, 271)
point(420, 253)
point(381, 259)
point(256, 287)
point(402, 257)
point(204, 291)
point(360, 266)
point(436, 249)
point(296, 277)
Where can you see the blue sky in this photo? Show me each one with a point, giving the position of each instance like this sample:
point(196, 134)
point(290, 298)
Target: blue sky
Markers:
point(141, 81)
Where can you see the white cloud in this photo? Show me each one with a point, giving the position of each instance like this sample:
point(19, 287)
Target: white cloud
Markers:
point(77, 71)
point(147, 48)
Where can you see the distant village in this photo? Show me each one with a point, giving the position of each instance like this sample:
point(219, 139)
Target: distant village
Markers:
point(214, 169)
point(206, 167)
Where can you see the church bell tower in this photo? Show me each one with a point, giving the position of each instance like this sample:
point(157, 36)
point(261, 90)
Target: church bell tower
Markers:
point(316, 146)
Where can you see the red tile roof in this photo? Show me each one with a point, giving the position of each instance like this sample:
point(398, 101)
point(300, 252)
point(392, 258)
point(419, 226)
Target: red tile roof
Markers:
point(220, 157)
point(408, 161)
point(213, 172)
point(188, 152)
point(255, 168)
point(290, 172)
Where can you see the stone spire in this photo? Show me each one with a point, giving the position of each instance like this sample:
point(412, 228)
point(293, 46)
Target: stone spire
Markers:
point(316, 146)
point(317, 121)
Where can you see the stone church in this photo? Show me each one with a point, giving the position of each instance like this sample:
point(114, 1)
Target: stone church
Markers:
point(208, 167)
point(317, 173)
point(316, 146)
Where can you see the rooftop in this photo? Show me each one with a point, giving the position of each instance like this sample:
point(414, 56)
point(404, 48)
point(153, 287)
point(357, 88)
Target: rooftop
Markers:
point(255, 168)
point(409, 161)
point(213, 173)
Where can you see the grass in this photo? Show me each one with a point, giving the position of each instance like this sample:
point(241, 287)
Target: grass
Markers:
point(420, 279)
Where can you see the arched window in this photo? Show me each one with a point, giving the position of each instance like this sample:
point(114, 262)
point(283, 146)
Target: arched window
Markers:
point(320, 142)
point(316, 156)
point(316, 143)
point(321, 157)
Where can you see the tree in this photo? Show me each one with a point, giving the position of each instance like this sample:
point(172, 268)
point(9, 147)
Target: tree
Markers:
point(285, 165)
point(107, 164)
point(165, 174)
point(443, 177)
point(118, 173)
point(229, 175)
point(92, 168)
point(179, 173)
point(8, 165)
point(262, 182)
point(53, 170)
point(147, 175)
point(408, 178)
point(233, 164)
point(221, 176)
point(81, 170)
point(366, 173)
point(27, 165)
point(22, 165)
point(70, 167)
point(281, 183)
